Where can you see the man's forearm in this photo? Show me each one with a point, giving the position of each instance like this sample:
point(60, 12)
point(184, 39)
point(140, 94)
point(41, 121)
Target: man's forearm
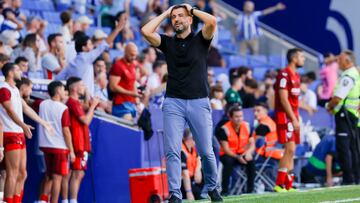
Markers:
point(67, 137)
point(32, 114)
point(153, 24)
point(288, 110)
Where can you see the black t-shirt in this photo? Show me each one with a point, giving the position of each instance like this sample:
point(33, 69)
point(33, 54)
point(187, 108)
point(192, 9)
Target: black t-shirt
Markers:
point(187, 66)
point(248, 100)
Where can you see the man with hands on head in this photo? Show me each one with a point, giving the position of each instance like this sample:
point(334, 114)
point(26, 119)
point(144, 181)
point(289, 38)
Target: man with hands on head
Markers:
point(187, 92)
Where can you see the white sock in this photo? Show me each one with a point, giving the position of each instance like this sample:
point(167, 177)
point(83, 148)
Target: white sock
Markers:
point(41, 201)
point(1, 196)
point(65, 201)
point(73, 201)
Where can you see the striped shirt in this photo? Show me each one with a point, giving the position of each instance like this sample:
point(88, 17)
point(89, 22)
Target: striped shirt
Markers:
point(247, 25)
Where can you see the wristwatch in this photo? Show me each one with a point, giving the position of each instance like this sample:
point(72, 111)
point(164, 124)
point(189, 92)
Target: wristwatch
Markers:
point(192, 10)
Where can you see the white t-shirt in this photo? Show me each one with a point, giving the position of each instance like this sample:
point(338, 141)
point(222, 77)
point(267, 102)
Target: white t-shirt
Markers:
point(153, 81)
point(8, 93)
point(345, 85)
point(49, 63)
point(217, 104)
point(54, 113)
point(309, 97)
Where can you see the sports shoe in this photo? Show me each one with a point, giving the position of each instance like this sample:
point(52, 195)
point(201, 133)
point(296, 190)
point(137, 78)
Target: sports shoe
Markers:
point(292, 189)
point(174, 199)
point(215, 196)
point(279, 189)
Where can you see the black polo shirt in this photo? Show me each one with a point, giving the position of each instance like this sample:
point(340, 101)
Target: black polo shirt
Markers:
point(187, 66)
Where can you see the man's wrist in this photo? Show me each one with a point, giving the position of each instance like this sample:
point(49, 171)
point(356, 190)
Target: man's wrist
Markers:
point(192, 10)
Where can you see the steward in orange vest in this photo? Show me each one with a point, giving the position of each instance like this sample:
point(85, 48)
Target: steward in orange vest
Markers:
point(192, 180)
point(266, 128)
point(237, 148)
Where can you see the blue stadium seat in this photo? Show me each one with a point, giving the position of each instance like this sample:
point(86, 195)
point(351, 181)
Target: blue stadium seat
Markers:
point(276, 61)
point(114, 54)
point(224, 34)
point(52, 28)
point(107, 30)
point(259, 72)
point(258, 60)
point(236, 60)
point(220, 70)
point(90, 32)
point(52, 17)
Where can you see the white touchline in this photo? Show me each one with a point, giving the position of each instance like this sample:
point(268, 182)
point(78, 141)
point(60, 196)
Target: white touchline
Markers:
point(343, 200)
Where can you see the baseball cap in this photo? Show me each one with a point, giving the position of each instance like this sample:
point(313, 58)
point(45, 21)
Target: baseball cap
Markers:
point(8, 36)
point(85, 20)
point(99, 34)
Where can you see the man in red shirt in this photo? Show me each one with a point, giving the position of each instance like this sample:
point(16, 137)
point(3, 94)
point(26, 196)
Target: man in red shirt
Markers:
point(11, 112)
point(287, 91)
point(122, 84)
point(80, 122)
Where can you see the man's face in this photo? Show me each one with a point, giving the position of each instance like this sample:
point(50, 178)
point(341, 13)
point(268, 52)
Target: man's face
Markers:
point(237, 117)
point(100, 67)
point(59, 42)
point(89, 46)
point(16, 3)
point(343, 61)
point(131, 55)
point(63, 94)
point(259, 112)
point(248, 6)
point(299, 59)
point(180, 20)
point(79, 88)
point(84, 27)
point(17, 72)
point(24, 66)
point(152, 55)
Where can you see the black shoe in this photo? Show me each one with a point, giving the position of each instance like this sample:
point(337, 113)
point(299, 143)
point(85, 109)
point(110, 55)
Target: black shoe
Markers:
point(215, 196)
point(224, 193)
point(174, 199)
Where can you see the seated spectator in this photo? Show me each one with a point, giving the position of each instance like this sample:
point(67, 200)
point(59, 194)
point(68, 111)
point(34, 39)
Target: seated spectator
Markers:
point(33, 26)
point(243, 72)
point(126, 34)
point(4, 59)
point(8, 41)
point(99, 66)
point(23, 64)
point(328, 76)
point(323, 162)
point(149, 59)
point(11, 22)
point(82, 65)
point(54, 61)
point(237, 148)
point(232, 94)
point(84, 23)
point(247, 93)
point(266, 128)
point(309, 78)
point(25, 88)
point(154, 81)
point(217, 100)
point(97, 38)
point(156, 6)
point(211, 75)
point(115, 6)
point(30, 50)
point(308, 100)
point(214, 58)
point(15, 5)
point(67, 26)
point(192, 180)
point(101, 92)
point(122, 84)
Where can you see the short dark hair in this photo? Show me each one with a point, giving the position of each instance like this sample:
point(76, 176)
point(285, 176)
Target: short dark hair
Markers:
point(234, 109)
point(78, 34)
point(311, 75)
point(71, 81)
point(215, 88)
point(243, 70)
point(158, 64)
point(119, 14)
point(65, 17)
point(80, 42)
point(180, 6)
point(53, 86)
point(291, 53)
point(252, 83)
point(20, 59)
point(7, 68)
point(262, 104)
point(23, 81)
point(52, 37)
point(98, 59)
